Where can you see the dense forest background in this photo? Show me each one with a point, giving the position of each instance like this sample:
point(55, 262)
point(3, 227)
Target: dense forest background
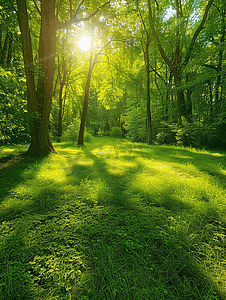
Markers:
point(155, 69)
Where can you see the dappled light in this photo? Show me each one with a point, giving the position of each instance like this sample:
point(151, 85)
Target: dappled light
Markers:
point(90, 219)
point(112, 150)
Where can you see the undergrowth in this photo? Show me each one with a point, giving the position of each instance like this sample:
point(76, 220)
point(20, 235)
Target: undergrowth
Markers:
point(113, 220)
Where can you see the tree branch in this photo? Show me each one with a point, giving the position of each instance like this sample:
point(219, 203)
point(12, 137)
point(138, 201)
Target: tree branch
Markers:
point(161, 50)
point(76, 12)
point(74, 20)
point(36, 6)
point(197, 32)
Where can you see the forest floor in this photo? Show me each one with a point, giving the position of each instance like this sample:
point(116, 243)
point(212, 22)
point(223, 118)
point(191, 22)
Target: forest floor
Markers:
point(113, 220)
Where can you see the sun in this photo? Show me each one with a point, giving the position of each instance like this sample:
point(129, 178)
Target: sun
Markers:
point(84, 43)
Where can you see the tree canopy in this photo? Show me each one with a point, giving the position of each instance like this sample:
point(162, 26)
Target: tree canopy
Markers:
point(155, 69)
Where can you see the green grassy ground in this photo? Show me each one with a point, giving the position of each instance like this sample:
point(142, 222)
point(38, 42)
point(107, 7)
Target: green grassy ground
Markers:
point(113, 220)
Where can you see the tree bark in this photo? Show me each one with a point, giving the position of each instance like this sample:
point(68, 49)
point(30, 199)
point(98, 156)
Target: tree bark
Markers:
point(86, 99)
point(146, 54)
point(60, 115)
point(147, 65)
point(28, 62)
point(40, 142)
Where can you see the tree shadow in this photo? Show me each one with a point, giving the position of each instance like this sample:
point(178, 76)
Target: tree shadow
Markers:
point(133, 254)
point(212, 163)
point(133, 258)
point(11, 176)
point(113, 247)
point(14, 279)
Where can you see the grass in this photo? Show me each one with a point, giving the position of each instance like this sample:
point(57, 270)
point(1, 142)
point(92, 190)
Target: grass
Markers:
point(113, 220)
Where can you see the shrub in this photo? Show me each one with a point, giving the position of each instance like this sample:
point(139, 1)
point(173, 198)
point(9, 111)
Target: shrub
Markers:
point(136, 124)
point(87, 137)
point(71, 133)
point(14, 118)
point(166, 134)
point(116, 132)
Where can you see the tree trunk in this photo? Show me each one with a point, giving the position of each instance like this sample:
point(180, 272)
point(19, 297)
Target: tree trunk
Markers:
point(40, 101)
point(28, 62)
point(148, 91)
point(4, 49)
point(180, 99)
point(60, 116)
point(85, 105)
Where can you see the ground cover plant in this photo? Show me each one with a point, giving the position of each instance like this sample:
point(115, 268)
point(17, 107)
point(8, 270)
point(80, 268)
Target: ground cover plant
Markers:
point(113, 220)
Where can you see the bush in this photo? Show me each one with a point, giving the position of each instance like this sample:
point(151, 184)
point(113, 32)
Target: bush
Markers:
point(87, 137)
point(166, 134)
point(71, 133)
point(194, 134)
point(14, 118)
point(116, 132)
point(136, 124)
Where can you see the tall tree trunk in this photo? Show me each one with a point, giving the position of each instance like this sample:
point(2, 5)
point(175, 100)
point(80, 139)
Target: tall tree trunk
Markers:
point(85, 105)
point(4, 48)
point(28, 61)
point(145, 48)
point(219, 85)
point(60, 115)
point(189, 105)
point(40, 101)
point(180, 98)
point(172, 65)
point(148, 90)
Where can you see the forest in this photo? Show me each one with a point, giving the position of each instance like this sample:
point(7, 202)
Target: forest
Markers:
point(112, 150)
point(155, 69)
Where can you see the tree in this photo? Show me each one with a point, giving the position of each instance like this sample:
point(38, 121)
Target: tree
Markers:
point(86, 96)
point(39, 98)
point(177, 65)
point(62, 79)
point(86, 99)
point(145, 47)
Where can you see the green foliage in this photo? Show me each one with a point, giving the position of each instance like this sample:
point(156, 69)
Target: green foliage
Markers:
point(71, 134)
point(13, 109)
point(87, 137)
point(166, 134)
point(116, 132)
point(197, 135)
point(136, 124)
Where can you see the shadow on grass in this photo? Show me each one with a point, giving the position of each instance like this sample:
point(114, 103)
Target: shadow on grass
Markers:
point(14, 279)
point(108, 247)
point(115, 184)
point(132, 257)
point(133, 254)
point(11, 176)
point(212, 163)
